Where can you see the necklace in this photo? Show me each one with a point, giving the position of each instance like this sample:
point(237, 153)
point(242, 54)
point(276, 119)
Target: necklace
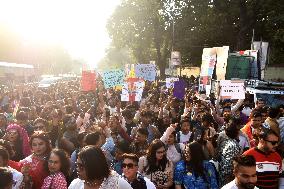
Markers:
point(93, 183)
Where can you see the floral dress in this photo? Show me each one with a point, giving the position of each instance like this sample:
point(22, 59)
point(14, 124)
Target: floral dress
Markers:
point(190, 181)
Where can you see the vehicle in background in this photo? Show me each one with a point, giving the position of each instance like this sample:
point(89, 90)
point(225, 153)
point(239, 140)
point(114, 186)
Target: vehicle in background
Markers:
point(48, 81)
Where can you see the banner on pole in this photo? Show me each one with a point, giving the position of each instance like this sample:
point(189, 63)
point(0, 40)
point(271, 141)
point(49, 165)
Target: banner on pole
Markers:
point(175, 58)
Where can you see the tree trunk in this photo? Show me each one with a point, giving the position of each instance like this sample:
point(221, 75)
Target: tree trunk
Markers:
point(241, 40)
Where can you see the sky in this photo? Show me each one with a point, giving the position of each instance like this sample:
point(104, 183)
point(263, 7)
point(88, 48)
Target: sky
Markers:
point(79, 25)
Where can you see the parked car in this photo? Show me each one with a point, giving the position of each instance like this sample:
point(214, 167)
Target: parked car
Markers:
point(48, 81)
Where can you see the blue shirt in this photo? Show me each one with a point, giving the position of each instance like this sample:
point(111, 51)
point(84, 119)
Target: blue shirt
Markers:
point(191, 181)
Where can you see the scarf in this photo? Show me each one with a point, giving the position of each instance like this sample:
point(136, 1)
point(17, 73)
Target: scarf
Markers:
point(138, 183)
point(25, 138)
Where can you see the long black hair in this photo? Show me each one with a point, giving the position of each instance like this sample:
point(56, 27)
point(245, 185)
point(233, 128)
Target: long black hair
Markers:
point(195, 163)
point(94, 162)
point(151, 157)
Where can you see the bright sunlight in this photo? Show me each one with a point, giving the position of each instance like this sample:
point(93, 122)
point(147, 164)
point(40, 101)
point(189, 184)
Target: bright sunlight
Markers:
point(79, 25)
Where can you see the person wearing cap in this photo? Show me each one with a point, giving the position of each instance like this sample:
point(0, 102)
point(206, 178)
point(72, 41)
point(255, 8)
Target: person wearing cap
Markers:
point(268, 161)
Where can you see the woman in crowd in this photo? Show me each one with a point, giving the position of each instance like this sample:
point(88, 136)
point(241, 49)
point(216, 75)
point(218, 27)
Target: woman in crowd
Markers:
point(33, 165)
point(195, 172)
point(174, 149)
point(94, 172)
point(58, 165)
point(18, 137)
point(228, 148)
point(156, 166)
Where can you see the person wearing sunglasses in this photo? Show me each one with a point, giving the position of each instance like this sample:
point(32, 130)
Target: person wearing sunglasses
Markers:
point(131, 174)
point(268, 161)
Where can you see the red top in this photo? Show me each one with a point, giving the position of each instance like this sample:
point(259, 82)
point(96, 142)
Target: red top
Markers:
point(37, 170)
point(268, 168)
point(15, 165)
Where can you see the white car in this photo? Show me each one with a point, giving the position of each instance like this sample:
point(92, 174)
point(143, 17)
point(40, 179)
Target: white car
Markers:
point(48, 81)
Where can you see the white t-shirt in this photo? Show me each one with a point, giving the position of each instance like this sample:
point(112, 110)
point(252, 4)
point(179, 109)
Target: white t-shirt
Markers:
point(246, 111)
point(243, 142)
point(232, 185)
point(114, 181)
point(184, 138)
point(17, 178)
point(149, 184)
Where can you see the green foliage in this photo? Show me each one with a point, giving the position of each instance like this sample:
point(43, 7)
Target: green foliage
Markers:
point(145, 27)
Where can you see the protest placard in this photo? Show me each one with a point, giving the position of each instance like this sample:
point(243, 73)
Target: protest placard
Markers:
point(88, 81)
point(113, 78)
point(130, 70)
point(132, 90)
point(145, 71)
point(170, 82)
point(232, 89)
point(222, 56)
point(207, 69)
point(179, 89)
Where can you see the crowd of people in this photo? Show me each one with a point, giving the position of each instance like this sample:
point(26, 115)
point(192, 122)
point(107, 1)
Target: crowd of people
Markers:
point(61, 137)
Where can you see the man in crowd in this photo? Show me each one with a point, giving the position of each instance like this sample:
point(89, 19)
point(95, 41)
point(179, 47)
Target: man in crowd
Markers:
point(140, 145)
point(146, 122)
point(268, 161)
point(252, 127)
point(131, 174)
point(245, 173)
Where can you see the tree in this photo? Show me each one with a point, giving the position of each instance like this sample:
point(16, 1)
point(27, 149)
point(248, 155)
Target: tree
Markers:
point(146, 27)
point(139, 26)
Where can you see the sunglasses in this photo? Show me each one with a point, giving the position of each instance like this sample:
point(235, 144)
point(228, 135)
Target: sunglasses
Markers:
point(128, 165)
point(272, 142)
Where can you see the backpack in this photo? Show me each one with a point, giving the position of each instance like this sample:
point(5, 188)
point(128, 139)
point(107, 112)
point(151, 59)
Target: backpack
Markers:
point(177, 146)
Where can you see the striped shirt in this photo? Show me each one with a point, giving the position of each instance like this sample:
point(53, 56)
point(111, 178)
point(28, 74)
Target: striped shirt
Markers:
point(268, 168)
